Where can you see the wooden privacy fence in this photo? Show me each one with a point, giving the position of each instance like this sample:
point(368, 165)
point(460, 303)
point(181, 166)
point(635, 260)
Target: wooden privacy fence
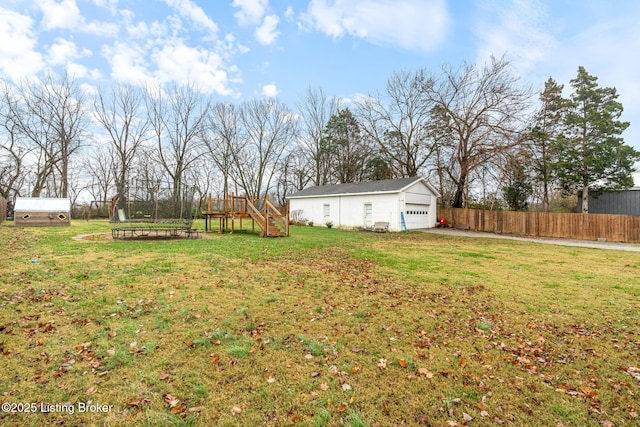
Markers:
point(615, 228)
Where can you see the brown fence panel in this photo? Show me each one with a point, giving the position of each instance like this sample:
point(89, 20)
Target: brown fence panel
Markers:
point(615, 228)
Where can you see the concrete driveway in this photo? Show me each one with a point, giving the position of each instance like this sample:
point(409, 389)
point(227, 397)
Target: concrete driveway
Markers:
point(546, 240)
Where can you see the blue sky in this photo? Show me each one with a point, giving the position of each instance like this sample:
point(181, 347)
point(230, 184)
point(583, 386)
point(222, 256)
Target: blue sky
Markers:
point(241, 49)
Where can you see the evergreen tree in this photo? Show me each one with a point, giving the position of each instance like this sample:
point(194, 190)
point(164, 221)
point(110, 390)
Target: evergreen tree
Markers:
point(592, 155)
point(548, 126)
point(346, 146)
point(518, 189)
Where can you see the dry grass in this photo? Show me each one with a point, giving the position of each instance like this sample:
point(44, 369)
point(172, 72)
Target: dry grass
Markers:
point(326, 327)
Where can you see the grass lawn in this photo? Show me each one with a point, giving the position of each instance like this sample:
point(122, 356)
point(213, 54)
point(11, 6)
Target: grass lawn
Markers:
point(324, 328)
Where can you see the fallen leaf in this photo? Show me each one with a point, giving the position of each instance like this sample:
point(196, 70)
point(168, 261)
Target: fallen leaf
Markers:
point(163, 376)
point(355, 369)
point(235, 410)
point(315, 374)
point(271, 380)
point(422, 419)
point(215, 359)
point(342, 407)
point(484, 414)
point(179, 409)
point(466, 417)
point(402, 363)
point(382, 364)
point(171, 400)
point(463, 362)
point(346, 387)
point(91, 390)
point(324, 387)
point(196, 409)
point(425, 372)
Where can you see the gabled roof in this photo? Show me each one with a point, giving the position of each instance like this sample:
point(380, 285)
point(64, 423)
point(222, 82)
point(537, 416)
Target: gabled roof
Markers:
point(367, 187)
point(42, 204)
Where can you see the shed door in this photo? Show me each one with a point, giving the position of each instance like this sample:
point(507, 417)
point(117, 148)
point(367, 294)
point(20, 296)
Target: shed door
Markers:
point(368, 215)
point(417, 216)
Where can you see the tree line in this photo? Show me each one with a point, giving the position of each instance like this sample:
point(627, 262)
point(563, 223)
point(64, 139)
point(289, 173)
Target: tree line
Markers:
point(473, 130)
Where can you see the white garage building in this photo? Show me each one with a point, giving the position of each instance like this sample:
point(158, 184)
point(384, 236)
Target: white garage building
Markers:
point(405, 204)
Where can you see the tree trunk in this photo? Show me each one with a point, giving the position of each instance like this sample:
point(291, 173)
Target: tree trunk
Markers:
point(585, 199)
point(458, 199)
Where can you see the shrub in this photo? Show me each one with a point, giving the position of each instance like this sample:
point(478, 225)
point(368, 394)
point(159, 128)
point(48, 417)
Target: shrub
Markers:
point(329, 224)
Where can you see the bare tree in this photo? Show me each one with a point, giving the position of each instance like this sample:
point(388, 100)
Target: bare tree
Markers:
point(178, 121)
point(102, 168)
point(51, 115)
point(222, 139)
point(120, 112)
point(398, 121)
point(268, 128)
point(12, 151)
point(293, 175)
point(316, 108)
point(477, 113)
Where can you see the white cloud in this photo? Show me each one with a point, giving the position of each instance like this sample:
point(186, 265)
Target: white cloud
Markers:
point(110, 5)
point(519, 30)
point(127, 62)
point(61, 52)
point(410, 24)
point(18, 56)
point(65, 14)
point(251, 11)
point(190, 10)
point(267, 33)
point(184, 64)
point(270, 90)
point(289, 14)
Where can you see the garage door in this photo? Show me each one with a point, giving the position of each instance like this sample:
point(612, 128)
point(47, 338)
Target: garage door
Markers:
point(417, 216)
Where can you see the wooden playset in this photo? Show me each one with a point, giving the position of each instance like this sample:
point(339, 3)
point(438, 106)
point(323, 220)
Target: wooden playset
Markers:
point(271, 221)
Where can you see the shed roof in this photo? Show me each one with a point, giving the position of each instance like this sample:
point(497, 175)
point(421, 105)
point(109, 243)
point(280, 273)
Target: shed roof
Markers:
point(42, 204)
point(367, 187)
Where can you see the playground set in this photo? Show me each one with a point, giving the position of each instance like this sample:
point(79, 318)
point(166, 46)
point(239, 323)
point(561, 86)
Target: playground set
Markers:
point(262, 212)
point(150, 211)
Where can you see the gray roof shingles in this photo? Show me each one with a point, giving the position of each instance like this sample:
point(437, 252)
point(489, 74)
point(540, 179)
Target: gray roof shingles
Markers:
point(387, 185)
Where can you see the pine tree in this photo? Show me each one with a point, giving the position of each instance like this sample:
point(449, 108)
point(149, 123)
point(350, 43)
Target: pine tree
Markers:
point(548, 126)
point(592, 155)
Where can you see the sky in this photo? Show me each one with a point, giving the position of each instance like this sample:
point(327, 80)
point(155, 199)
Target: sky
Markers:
point(236, 50)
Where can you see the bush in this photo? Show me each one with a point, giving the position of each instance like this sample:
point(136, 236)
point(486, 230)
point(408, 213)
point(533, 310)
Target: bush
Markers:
point(329, 224)
point(310, 223)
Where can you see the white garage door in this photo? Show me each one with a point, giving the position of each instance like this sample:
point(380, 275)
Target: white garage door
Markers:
point(416, 216)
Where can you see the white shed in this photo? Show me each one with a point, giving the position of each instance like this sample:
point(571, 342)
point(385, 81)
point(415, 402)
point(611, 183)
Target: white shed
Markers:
point(405, 204)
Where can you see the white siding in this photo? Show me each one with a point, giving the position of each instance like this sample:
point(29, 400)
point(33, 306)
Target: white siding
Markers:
point(348, 211)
